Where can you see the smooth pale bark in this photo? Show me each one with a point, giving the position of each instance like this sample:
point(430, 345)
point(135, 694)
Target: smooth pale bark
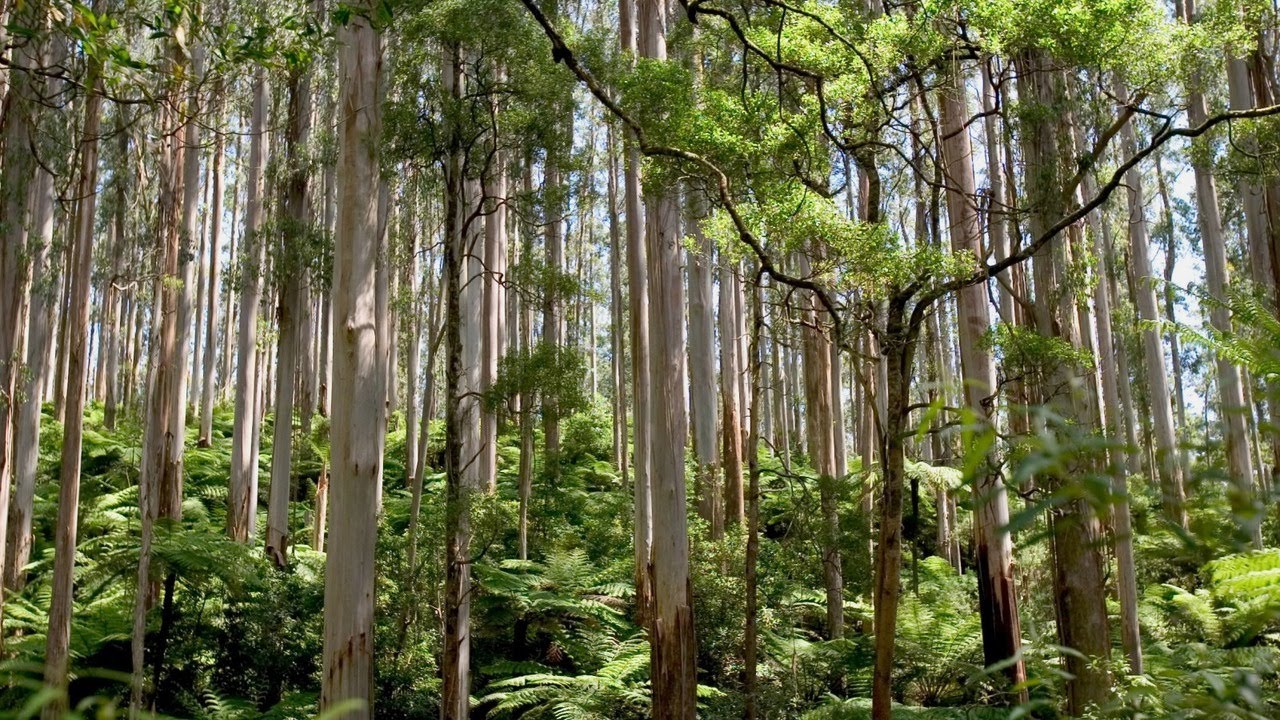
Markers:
point(357, 432)
point(26, 442)
point(290, 314)
point(494, 314)
point(1111, 409)
point(997, 595)
point(321, 509)
point(702, 374)
point(818, 403)
point(1169, 297)
point(1078, 566)
point(673, 656)
point(58, 639)
point(750, 644)
point(15, 180)
point(617, 315)
point(997, 203)
point(171, 483)
point(840, 436)
point(435, 332)
point(202, 273)
point(115, 295)
point(1126, 410)
point(243, 500)
point(160, 486)
point(230, 318)
point(1252, 199)
point(638, 292)
point(553, 321)
point(411, 330)
point(779, 382)
point(1168, 459)
point(205, 437)
point(1233, 411)
point(731, 398)
point(525, 334)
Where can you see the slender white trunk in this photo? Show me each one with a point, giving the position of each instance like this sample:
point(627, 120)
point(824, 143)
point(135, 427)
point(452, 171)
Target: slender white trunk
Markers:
point(211, 318)
point(357, 432)
point(58, 638)
point(998, 601)
point(673, 664)
point(243, 501)
point(1168, 459)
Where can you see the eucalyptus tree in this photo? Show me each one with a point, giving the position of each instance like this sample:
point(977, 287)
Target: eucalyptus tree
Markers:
point(160, 484)
point(59, 635)
point(292, 268)
point(357, 431)
point(855, 112)
point(242, 499)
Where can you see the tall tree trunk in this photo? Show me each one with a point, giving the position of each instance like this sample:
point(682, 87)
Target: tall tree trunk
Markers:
point(357, 433)
point(60, 603)
point(1168, 458)
point(171, 483)
point(494, 301)
point(160, 487)
point(16, 172)
point(290, 315)
point(26, 429)
point(553, 321)
point(673, 663)
point(702, 372)
point(818, 402)
point(638, 292)
point(1233, 412)
point(242, 507)
point(898, 351)
point(617, 314)
point(411, 330)
point(997, 596)
point(115, 295)
point(461, 434)
point(751, 632)
point(205, 438)
point(1112, 404)
point(731, 398)
point(525, 332)
point(1078, 584)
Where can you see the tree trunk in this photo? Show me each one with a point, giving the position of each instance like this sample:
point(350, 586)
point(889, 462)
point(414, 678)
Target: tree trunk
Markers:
point(731, 398)
point(60, 602)
point(702, 373)
point(1082, 619)
point(357, 432)
point(818, 402)
point(751, 632)
point(1168, 458)
point(638, 293)
point(15, 182)
point(898, 350)
point(617, 313)
point(673, 664)
point(26, 430)
point(211, 319)
point(290, 313)
point(1232, 410)
point(160, 487)
point(243, 501)
point(1112, 404)
point(494, 302)
point(997, 596)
